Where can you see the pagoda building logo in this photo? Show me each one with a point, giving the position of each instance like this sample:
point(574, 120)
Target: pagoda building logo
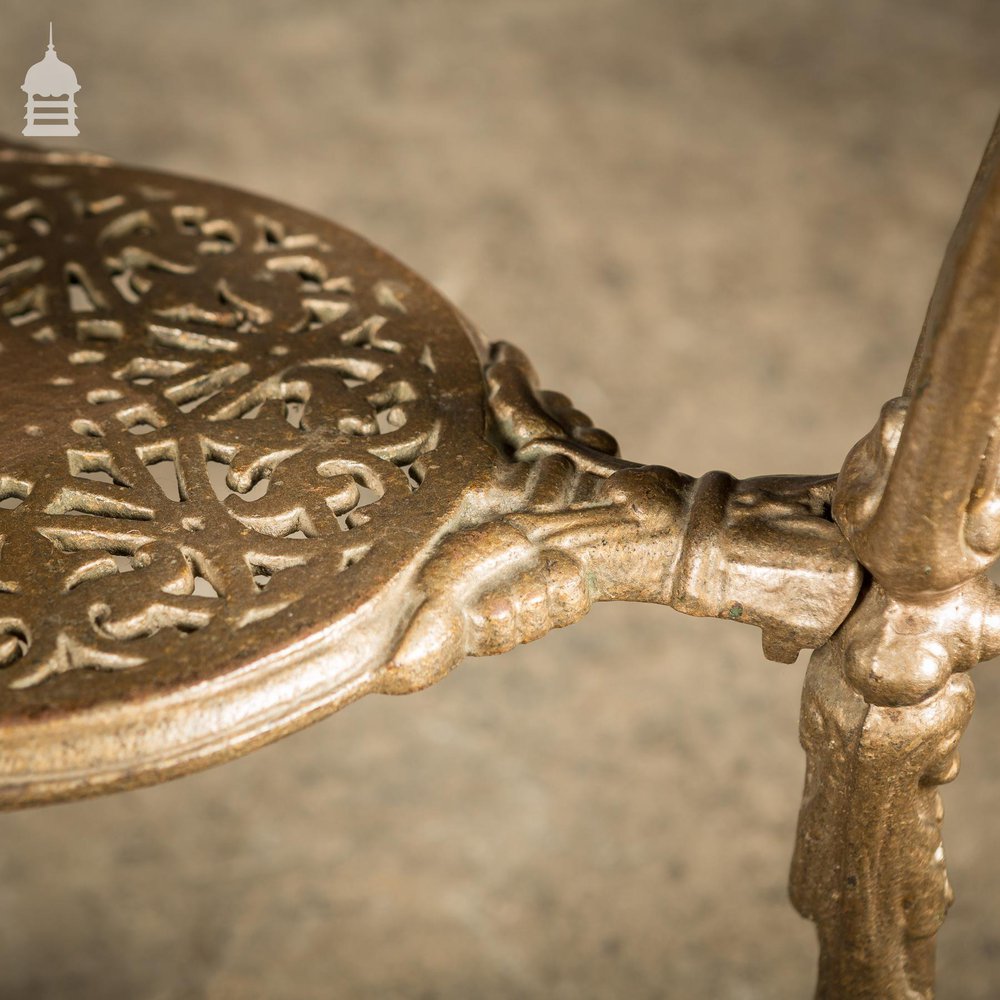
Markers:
point(51, 87)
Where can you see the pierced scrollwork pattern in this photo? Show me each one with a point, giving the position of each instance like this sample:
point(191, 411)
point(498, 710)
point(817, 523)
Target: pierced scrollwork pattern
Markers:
point(203, 397)
point(252, 468)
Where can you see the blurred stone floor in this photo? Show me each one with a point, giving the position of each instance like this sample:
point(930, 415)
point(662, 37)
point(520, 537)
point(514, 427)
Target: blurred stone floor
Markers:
point(715, 225)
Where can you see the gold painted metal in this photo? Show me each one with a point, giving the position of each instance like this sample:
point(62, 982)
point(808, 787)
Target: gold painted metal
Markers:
point(887, 699)
point(252, 468)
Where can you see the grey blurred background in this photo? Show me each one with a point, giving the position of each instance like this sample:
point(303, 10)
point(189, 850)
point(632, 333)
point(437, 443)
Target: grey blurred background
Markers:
point(714, 225)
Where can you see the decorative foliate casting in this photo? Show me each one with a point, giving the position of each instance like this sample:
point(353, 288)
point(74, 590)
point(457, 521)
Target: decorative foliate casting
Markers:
point(252, 468)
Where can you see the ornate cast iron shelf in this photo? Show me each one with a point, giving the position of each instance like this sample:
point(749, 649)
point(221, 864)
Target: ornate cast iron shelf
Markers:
point(252, 468)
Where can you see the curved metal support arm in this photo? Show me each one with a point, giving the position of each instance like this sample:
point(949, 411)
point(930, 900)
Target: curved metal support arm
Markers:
point(581, 525)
